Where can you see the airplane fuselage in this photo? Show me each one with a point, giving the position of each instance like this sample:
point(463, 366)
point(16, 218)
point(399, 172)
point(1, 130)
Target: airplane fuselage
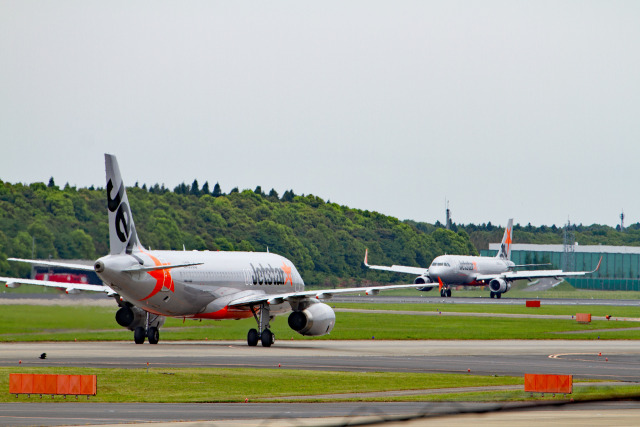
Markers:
point(464, 270)
point(198, 291)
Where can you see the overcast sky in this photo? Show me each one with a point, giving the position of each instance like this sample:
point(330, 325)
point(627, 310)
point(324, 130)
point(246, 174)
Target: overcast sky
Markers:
point(524, 109)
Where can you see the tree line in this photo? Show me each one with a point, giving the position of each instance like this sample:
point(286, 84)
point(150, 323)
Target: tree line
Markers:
point(325, 241)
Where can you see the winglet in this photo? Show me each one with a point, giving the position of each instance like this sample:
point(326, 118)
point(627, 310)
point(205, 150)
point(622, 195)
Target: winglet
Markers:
point(440, 284)
point(598, 267)
point(366, 255)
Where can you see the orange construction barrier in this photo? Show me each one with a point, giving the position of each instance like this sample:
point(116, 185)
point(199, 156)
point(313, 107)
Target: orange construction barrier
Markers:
point(583, 317)
point(533, 303)
point(541, 383)
point(53, 384)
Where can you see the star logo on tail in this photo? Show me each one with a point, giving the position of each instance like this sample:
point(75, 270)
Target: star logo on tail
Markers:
point(163, 278)
point(287, 273)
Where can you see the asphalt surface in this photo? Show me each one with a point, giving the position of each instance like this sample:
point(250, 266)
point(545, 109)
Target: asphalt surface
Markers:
point(612, 361)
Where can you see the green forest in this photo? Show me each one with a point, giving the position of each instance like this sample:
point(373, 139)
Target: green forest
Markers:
point(324, 240)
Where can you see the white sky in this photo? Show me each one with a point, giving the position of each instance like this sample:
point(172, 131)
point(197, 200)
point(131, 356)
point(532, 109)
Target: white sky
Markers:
point(524, 109)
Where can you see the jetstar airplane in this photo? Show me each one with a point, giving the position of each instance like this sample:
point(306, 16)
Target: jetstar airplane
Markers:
point(150, 285)
point(497, 272)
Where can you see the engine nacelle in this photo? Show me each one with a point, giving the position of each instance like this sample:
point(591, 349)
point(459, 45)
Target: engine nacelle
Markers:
point(423, 280)
point(317, 319)
point(499, 286)
point(132, 317)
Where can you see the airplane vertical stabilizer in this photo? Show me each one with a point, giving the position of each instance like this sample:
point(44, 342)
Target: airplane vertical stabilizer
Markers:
point(505, 246)
point(122, 232)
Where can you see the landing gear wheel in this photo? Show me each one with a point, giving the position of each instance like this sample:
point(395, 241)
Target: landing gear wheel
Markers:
point(442, 293)
point(153, 335)
point(498, 295)
point(492, 294)
point(139, 335)
point(267, 338)
point(252, 338)
point(448, 293)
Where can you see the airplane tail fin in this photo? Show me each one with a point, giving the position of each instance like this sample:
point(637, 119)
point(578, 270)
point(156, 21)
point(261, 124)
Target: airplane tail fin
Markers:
point(505, 246)
point(122, 231)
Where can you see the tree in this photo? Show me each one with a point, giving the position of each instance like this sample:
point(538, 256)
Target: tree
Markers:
point(288, 196)
point(205, 188)
point(217, 192)
point(195, 189)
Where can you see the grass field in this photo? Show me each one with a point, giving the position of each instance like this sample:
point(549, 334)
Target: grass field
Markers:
point(519, 290)
point(234, 385)
point(201, 385)
point(51, 323)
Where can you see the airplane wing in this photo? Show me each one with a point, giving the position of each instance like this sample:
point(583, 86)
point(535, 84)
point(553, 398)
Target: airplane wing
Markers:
point(535, 274)
point(397, 268)
point(69, 265)
point(70, 288)
point(319, 294)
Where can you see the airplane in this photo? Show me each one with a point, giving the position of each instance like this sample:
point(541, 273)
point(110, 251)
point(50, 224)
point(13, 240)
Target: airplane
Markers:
point(497, 272)
point(151, 285)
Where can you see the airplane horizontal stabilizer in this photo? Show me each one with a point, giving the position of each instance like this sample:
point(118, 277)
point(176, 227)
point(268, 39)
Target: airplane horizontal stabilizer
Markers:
point(136, 269)
point(81, 267)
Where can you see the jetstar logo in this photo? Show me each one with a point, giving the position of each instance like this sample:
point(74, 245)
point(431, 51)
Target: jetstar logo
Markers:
point(162, 276)
point(123, 221)
point(504, 247)
point(271, 275)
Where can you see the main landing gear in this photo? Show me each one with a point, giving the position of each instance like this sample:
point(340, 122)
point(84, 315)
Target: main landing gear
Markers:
point(496, 294)
point(265, 336)
point(445, 292)
point(152, 332)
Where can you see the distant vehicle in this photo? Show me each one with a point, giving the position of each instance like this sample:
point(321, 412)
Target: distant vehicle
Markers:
point(63, 277)
point(149, 285)
point(497, 272)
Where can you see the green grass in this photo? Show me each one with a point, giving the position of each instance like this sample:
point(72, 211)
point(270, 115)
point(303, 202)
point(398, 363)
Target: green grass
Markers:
point(518, 290)
point(568, 310)
point(236, 384)
point(51, 323)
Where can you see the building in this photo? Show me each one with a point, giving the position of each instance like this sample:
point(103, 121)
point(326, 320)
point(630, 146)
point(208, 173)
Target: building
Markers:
point(619, 271)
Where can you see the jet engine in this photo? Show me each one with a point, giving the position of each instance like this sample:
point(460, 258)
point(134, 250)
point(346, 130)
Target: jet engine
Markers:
point(131, 317)
point(316, 319)
point(423, 280)
point(499, 286)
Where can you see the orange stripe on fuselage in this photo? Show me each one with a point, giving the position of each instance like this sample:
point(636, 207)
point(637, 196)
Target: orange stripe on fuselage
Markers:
point(226, 313)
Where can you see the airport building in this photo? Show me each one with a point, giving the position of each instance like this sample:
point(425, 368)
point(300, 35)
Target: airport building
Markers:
point(619, 271)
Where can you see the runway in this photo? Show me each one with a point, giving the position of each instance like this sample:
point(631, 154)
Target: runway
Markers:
point(585, 359)
point(499, 357)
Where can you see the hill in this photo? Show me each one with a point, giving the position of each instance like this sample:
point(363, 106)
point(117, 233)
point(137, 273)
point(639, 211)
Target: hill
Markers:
point(325, 241)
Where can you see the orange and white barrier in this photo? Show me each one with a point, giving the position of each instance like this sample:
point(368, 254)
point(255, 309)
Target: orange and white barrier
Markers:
point(53, 384)
point(583, 317)
point(541, 383)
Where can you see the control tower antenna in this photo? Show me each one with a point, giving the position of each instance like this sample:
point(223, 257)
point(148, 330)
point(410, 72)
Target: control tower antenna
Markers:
point(448, 223)
point(569, 254)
